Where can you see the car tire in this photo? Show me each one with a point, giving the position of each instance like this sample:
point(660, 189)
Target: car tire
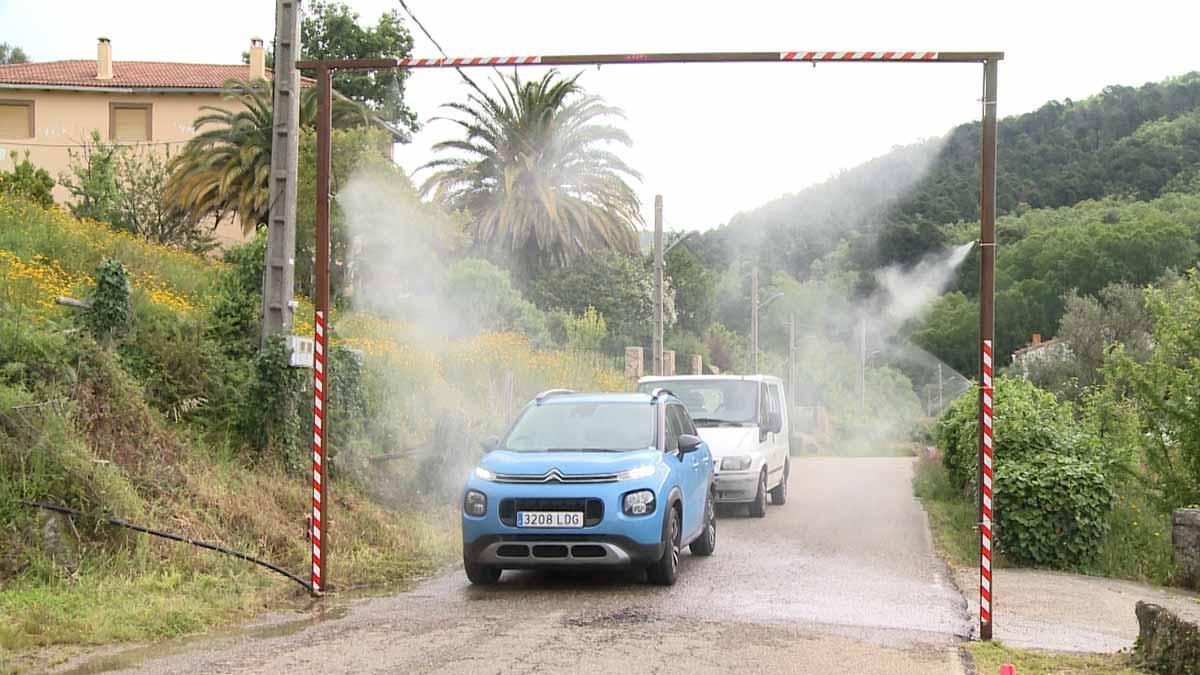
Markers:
point(758, 507)
point(665, 571)
point(481, 575)
point(779, 492)
point(706, 543)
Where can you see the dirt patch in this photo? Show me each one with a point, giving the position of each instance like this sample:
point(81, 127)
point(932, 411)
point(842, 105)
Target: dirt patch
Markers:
point(626, 616)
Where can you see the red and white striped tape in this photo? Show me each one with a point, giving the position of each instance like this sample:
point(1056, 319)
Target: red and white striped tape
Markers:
point(858, 56)
point(318, 569)
point(470, 61)
point(985, 526)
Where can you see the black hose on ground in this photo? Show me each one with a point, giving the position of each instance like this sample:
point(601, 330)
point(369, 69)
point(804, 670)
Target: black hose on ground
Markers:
point(174, 537)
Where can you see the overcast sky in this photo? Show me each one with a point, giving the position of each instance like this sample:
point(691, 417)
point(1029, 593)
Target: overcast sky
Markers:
point(713, 139)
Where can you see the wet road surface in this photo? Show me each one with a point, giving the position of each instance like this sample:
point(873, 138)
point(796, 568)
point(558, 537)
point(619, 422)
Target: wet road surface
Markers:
point(841, 579)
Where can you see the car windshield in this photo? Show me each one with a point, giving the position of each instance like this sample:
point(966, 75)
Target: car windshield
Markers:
point(598, 427)
point(714, 402)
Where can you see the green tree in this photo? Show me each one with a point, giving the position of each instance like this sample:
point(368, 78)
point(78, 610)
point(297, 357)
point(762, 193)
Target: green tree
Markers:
point(1164, 391)
point(484, 300)
point(12, 54)
point(533, 171)
point(695, 286)
point(28, 181)
point(331, 30)
point(92, 180)
point(223, 170)
point(619, 287)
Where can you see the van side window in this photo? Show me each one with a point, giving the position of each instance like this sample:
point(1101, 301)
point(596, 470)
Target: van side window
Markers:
point(776, 403)
point(763, 404)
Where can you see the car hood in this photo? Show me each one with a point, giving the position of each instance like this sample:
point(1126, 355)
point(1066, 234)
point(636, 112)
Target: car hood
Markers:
point(538, 463)
point(727, 441)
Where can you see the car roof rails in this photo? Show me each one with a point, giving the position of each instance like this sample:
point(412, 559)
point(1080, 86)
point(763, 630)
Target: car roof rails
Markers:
point(660, 391)
point(551, 392)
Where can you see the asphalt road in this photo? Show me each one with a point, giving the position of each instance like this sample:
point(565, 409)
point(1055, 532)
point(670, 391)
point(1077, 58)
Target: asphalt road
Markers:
point(841, 579)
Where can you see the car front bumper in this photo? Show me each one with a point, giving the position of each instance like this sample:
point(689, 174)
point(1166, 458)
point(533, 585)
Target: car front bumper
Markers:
point(737, 486)
point(615, 540)
point(520, 551)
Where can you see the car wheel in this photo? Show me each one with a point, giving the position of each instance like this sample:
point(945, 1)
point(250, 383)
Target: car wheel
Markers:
point(706, 543)
point(663, 572)
point(758, 507)
point(481, 575)
point(779, 492)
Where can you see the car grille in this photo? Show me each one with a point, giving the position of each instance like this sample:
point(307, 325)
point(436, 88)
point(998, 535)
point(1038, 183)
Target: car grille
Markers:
point(555, 476)
point(592, 508)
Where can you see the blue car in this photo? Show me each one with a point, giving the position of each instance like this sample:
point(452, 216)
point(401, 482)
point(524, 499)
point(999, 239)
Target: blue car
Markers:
point(591, 480)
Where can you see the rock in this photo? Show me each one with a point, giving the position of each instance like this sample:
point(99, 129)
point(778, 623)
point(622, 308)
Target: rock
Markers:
point(55, 538)
point(1185, 537)
point(1166, 644)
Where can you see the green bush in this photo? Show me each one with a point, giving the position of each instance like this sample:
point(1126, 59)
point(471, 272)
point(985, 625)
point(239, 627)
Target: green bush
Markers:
point(235, 312)
point(111, 315)
point(1051, 510)
point(1027, 421)
point(28, 181)
point(269, 413)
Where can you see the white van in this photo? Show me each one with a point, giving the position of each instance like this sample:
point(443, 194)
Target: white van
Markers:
point(744, 420)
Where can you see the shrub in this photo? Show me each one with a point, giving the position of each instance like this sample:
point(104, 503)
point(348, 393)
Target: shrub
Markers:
point(269, 417)
point(586, 332)
point(235, 311)
point(111, 314)
point(28, 181)
point(1051, 510)
point(1027, 421)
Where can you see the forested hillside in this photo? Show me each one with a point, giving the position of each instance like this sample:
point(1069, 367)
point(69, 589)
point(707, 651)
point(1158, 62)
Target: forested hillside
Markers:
point(1090, 193)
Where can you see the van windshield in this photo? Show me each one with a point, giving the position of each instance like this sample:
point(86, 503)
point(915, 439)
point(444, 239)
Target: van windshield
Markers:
point(714, 402)
point(583, 427)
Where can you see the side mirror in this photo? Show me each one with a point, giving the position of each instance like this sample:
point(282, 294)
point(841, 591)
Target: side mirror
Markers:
point(490, 443)
point(774, 422)
point(688, 442)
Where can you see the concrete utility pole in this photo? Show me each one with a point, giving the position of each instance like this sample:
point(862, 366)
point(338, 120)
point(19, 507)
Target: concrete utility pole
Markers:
point(657, 347)
point(279, 273)
point(754, 319)
point(792, 370)
point(940, 388)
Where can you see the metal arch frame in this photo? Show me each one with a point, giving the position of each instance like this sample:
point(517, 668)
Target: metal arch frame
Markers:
point(987, 212)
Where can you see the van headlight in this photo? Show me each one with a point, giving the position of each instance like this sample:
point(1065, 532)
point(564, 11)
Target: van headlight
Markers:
point(638, 503)
point(735, 463)
point(475, 503)
point(484, 474)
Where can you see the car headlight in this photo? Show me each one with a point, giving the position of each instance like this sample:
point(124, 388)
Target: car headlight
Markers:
point(475, 503)
point(638, 503)
point(735, 463)
point(643, 471)
point(483, 473)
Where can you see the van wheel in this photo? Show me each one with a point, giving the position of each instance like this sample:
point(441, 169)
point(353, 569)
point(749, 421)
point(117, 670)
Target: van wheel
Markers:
point(758, 507)
point(664, 572)
point(706, 543)
point(481, 575)
point(779, 492)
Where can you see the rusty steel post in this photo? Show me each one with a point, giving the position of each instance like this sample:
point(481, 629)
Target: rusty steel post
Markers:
point(987, 322)
point(321, 308)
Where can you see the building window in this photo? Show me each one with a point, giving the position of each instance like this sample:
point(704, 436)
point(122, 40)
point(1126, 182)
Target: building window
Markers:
point(16, 119)
point(130, 122)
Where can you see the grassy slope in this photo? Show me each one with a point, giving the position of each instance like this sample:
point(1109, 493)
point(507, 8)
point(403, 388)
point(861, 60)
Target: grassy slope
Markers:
point(96, 443)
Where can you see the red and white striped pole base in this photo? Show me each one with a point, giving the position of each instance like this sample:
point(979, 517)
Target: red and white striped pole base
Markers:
point(318, 569)
point(985, 501)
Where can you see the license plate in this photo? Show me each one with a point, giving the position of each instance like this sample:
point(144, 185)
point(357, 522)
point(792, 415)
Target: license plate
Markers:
point(550, 519)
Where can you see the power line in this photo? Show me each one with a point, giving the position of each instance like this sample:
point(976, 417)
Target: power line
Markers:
point(417, 21)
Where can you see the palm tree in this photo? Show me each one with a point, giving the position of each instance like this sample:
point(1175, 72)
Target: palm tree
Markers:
point(224, 169)
point(534, 172)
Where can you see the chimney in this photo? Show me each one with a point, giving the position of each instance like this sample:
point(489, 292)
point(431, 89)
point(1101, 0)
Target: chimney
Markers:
point(1037, 339)
point(258, 60)
point(104, 59)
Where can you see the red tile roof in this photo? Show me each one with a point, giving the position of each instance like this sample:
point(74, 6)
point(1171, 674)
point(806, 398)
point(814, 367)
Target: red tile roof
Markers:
point(126, 74)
